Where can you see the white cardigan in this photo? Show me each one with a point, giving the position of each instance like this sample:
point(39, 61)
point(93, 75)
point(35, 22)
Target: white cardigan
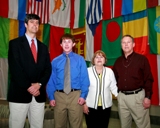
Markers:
point(108, 85)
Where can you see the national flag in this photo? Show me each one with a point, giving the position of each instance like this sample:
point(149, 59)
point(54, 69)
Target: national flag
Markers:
point(93, 13)
point(14, 9)
point(153, 3)
point(154, 61)
point(93, 43)
point(60, 13)
point(154, 29)
point(39, 7)
point(80, 40)
point(77, 14)
point(132, 6)
point(136, 25)
point(117, 8)
point(55, 35)
point(111, 39)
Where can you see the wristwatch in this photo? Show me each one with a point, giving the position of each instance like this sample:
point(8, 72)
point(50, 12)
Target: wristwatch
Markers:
point(40, 84)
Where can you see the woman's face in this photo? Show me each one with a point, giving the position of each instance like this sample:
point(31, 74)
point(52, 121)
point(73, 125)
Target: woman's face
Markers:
point(99, 60)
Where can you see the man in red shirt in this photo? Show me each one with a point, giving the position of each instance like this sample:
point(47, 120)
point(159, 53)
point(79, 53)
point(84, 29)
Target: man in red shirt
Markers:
point(134, 81)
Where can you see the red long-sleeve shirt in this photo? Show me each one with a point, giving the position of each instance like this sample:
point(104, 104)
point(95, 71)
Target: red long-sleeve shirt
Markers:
point(133, 72)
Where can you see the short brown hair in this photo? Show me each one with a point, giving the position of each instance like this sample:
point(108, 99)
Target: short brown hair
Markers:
point(99, 52)
point(67, 36)
point(128, 36)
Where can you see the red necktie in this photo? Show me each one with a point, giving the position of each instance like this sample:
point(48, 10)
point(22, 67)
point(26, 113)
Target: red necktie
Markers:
point(33, 49)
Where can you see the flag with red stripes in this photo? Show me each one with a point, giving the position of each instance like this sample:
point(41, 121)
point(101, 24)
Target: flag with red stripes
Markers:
point(39, 7)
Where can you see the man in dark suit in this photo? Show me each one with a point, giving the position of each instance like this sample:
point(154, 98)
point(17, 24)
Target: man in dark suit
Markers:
point(30, 69)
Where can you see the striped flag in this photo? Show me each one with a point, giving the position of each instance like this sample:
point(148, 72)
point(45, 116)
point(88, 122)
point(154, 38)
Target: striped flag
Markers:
point(131, 6)
point(39, 7)
point(136, 24)
point(154, 29)
point(14, 9)
point(93, 13)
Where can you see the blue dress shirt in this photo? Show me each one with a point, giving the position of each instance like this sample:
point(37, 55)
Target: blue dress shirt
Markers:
point(79, 75)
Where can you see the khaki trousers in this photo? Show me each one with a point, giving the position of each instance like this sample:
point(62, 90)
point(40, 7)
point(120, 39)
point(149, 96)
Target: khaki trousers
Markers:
point(130, 106)
point(19, 112)
point(68, 109)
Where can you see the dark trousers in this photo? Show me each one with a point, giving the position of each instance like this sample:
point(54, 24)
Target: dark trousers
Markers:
point(98, 118)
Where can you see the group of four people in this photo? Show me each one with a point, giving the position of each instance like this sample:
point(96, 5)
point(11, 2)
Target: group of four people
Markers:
point(130, 80)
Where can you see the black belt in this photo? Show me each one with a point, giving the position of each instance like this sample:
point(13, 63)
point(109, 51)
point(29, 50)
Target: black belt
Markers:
point(131, 92)
point(72, 90)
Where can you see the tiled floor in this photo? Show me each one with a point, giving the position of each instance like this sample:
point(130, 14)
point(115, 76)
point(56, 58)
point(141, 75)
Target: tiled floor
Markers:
point(115, 123)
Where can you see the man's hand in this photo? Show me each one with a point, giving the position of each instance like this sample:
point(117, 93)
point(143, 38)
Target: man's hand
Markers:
point(85, 109)
point(81, 101)
point(52, 103)
point(34, 89)
point(146, 103)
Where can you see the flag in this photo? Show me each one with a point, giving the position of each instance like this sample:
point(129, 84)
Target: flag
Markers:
point(136, 25)
point(55, 35)
point(93, 43)
point(93, 13)
point(60, 12)
point(153, 3)
point(14, 9)
point(107, 9)
point(77, 13)
point(8, 30)
point(131, 6)
point(44, 33)
point(117, 8)
point(111, 39)
point(39, 7)
point(154, 61)
point(154, 29)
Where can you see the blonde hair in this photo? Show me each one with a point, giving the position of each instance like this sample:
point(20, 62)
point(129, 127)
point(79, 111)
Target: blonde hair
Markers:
point(101, 53)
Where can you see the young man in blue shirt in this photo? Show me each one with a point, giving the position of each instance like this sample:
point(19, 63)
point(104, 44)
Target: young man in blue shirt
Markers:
point(68, 107)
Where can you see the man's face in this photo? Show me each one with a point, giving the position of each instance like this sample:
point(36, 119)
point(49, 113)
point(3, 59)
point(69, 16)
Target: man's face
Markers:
point(127, 45)
point(67, 45)
point(32, 26)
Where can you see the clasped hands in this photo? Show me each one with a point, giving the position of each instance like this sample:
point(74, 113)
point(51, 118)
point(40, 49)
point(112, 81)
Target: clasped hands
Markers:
point(34, 89)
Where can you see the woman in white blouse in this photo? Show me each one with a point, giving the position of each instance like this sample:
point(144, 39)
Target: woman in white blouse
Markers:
point(98, 104)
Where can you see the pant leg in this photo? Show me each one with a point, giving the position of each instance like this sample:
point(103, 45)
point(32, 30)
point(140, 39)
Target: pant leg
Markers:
point(103, 117)
point(60, 110)
point(124, 111)
point(36, 114)
point(91, 118)
point(75, 111)
point(140, 115)
point(18, 113)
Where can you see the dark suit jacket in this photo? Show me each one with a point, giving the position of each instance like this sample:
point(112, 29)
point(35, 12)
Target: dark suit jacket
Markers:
point(24, 70)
